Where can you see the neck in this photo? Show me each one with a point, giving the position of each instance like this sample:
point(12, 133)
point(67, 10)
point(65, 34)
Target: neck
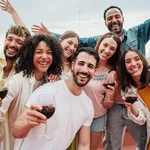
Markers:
point(138, 82)
point(39, 75)
point(73, 87)
point(102, 65)
point(120, 34)
point(10, 64)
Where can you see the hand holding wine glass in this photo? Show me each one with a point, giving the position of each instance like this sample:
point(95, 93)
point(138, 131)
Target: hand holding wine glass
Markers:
point(130, 95)
point(48, 109)
point(110, 80)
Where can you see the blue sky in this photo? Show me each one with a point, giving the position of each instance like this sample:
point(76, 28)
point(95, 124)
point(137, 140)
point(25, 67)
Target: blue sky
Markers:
point(83, 16)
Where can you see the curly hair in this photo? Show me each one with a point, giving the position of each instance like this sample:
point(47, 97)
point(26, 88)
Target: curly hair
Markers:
point(115, 59)
point(25, 61)
point(18, 30)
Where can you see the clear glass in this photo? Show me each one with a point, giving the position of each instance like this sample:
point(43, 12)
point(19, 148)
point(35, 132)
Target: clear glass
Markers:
point(3, 93)
point(49, 106)
point(130, 95)
point(109, 80)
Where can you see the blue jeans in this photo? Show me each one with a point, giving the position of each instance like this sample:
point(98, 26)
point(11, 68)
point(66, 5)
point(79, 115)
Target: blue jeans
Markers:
point(115, 128)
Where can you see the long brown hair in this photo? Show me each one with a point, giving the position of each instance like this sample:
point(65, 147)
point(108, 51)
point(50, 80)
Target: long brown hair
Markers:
point(114, 60)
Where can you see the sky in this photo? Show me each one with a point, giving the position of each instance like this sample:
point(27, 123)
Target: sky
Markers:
point(83, 16)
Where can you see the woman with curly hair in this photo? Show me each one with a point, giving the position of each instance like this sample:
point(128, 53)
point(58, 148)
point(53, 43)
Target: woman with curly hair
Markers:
point(40, 56)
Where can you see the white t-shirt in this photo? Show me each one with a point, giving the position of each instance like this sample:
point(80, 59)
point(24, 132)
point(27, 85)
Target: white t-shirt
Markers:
point(71, 113)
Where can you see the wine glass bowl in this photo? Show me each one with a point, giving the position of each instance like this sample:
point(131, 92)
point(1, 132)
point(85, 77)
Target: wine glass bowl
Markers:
point(130, 95)
point(3, 92)
point(48, 111)
point(109, 80)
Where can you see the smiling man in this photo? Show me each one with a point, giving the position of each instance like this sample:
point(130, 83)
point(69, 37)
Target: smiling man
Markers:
point(73, 111)
point(15, 37)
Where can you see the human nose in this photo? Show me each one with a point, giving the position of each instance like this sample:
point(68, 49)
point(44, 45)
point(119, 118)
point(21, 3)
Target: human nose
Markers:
point(133, 63)
point(44, 55)
point(72, 48)
point(13, 43)
point(107, 50)
point(114, 19)
point(85, 68)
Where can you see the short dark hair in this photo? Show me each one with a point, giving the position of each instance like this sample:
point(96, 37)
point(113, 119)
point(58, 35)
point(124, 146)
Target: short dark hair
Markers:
point(115, 59)
point(25, 62)
point(111, 8)
point(126, 78)
point(88, 50)
point(18, 30)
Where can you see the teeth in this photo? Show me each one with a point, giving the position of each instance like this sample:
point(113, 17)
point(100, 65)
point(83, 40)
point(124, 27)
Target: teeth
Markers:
point(134, 69)
point(43, 63)
point(12, 50)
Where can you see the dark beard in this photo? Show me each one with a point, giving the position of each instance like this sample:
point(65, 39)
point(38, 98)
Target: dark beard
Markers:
point(114, 31)
point(10, 57)
point(76, 80)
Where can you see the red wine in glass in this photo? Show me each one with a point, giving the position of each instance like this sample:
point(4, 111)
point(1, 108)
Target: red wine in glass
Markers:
point(131, 99)
point(48, 111)
point(111, 84)
point(3, 93)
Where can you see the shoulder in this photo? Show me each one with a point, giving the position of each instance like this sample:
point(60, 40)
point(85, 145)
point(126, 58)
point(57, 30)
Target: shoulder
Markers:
point(50, 87)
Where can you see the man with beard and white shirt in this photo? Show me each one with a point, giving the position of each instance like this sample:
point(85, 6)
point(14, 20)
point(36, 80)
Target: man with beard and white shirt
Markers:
point(73, 110)
point(15, 37)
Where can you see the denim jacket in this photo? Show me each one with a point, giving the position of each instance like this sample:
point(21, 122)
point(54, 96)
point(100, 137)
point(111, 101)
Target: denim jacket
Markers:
point(135, 37)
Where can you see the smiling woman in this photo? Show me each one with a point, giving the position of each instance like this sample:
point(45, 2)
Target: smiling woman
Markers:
point(40, 56)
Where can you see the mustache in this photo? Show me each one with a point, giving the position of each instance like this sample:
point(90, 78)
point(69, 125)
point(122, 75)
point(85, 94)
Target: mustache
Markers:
point(115, 23)
point(83, 73)
point(12, 47)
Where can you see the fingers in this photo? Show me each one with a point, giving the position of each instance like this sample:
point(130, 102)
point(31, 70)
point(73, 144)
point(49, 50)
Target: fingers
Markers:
point(53, 78)
point(36, 26)
point(42, 25)
point(35, 118)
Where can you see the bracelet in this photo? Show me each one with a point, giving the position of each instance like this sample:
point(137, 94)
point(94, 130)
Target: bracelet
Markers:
point(108, 101)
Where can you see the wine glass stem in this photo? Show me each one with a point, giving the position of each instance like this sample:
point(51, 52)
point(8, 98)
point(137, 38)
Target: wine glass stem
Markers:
point(46, 128)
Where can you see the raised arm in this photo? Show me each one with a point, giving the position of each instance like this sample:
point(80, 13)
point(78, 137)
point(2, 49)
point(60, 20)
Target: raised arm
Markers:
point(28, 119)
point(6, 6)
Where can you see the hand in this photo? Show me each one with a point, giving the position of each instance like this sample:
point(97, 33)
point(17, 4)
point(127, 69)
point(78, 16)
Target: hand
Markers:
point(130, 107)
point(54, 77)
point(110, 91)
point(35, 118)
point(42, 30)
point(6, 6)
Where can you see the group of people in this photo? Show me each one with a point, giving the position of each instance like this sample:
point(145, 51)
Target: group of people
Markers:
point(73, 71)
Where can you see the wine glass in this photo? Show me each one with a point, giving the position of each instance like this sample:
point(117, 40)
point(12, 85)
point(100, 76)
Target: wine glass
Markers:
point(48, 109)
point(130, 95)
point(109, 80)
point(3, 93)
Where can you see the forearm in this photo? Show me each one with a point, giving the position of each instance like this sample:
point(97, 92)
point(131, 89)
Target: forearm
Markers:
point(18, 21)
point(83, 147)
point(20, 129)
point(107, 104)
